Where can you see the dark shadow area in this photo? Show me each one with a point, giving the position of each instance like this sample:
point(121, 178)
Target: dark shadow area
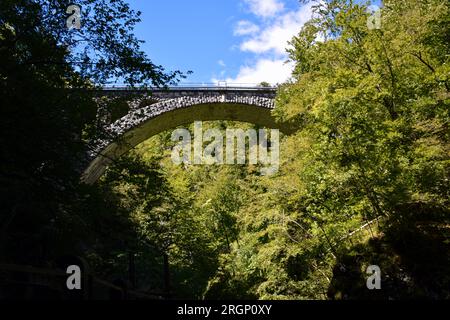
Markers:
point(413, 254)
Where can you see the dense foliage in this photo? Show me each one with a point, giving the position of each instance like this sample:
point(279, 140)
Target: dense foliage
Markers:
point(371, 108)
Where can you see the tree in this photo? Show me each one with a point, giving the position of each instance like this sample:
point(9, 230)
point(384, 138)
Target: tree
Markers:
point(372, 117)
point(48, 111)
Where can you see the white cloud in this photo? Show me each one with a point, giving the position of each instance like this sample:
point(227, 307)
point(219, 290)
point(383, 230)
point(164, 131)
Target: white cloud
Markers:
point(221, 63)
point(268, 41)
point(276, 36)
point(265, 8)
point(245, 27)
point(268, 70)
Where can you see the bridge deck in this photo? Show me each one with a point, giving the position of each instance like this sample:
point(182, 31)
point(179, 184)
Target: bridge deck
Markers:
point(189, 88)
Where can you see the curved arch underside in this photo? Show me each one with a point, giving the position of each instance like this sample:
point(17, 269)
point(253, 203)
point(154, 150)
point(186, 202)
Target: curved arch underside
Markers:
point(142, 124)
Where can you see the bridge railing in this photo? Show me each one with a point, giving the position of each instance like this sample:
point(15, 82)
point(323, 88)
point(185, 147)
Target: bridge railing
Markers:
point(194, 86)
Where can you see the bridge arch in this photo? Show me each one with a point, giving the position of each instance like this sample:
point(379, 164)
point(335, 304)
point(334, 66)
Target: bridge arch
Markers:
point(143, 123)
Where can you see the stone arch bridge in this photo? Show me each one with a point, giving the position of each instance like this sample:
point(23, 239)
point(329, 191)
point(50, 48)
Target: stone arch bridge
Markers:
point(149, 112)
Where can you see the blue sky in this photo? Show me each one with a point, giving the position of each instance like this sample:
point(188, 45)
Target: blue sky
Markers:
point(238, 41)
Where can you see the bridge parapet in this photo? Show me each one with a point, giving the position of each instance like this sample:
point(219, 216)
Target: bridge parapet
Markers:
point(176, 92)
point(139, 98)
